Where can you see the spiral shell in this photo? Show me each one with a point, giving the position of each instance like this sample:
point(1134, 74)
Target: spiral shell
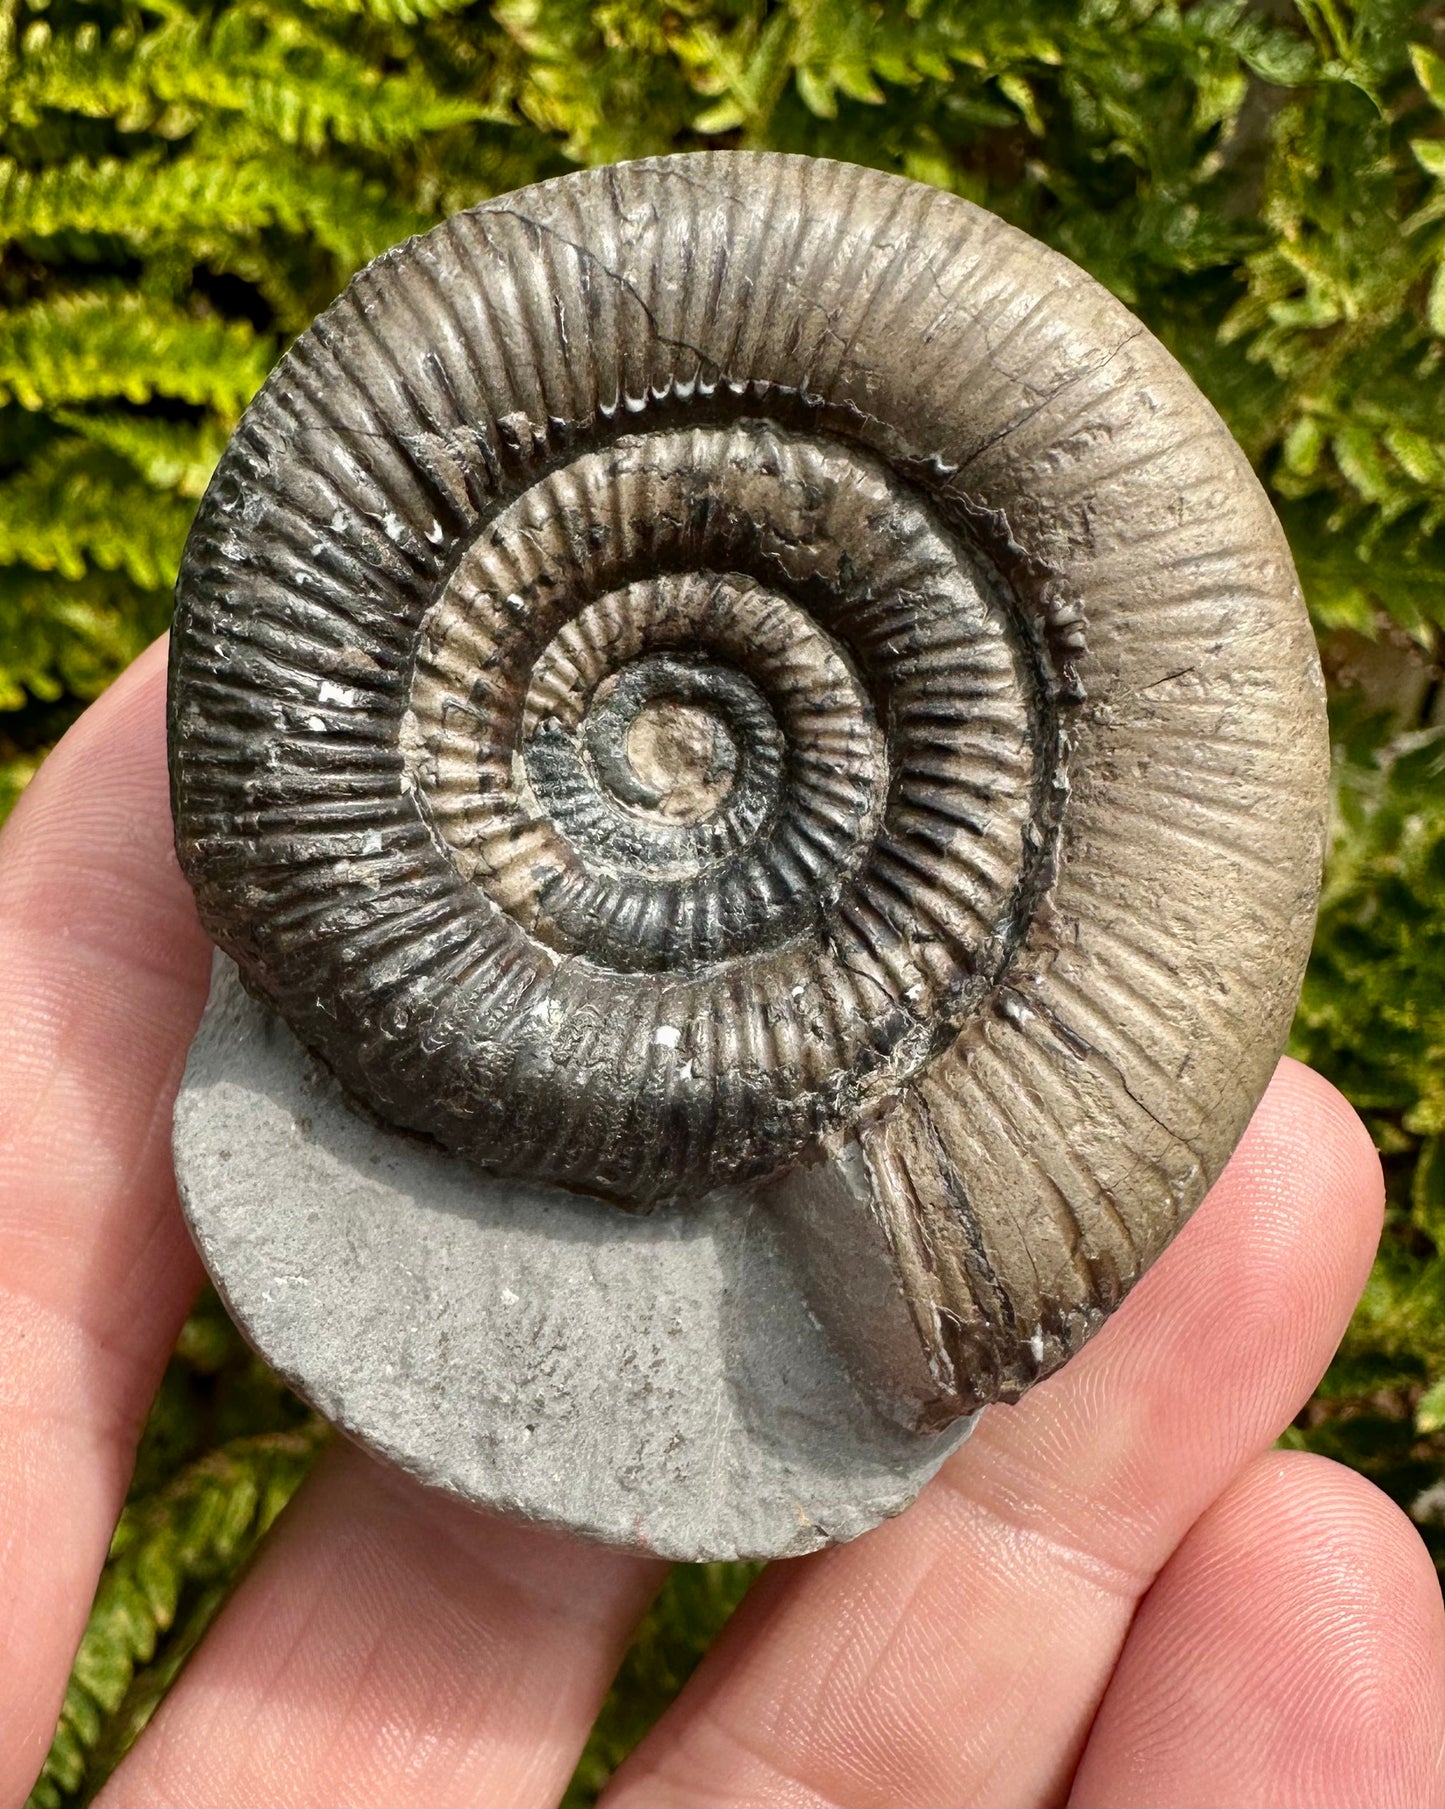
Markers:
point(721, 665)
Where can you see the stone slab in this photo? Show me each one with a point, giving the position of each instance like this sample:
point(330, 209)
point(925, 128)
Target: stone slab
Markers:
point(652, 1381)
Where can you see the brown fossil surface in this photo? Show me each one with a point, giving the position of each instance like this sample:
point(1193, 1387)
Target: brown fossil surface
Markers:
point(743, 671)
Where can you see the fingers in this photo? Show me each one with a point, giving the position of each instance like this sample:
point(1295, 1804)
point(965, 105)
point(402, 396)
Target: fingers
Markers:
point(102, 975)
point(386, 1635)
point(959, 1653)
point(1293, 1652)
point(393, 1647)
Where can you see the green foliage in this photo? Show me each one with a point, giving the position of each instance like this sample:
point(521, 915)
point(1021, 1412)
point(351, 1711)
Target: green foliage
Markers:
point(184, 184)
point(103, 344)
point(224, 1450)
point(1373, 1018)
point(66, 636)
point(690, 1611)
point(181, 188)
point(1346, 307)
point(170, 1562)
point(1373, 1010)
point(17, 768)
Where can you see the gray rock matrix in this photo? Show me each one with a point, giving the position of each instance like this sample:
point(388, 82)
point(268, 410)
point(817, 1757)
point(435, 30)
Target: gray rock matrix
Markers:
point(654, 1381)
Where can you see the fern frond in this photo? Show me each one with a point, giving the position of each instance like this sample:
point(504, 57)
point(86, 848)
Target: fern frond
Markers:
point(299, 86)
point(146, 201)
point(475, 170)
point(171, 455)
point(16, 772)
point(77, 506)
point(390, 12)
point(72, 636)
point(1337, 308)
point(1358, 574)
point(178, 1547)
point(103, 344)
point(1373, 1011)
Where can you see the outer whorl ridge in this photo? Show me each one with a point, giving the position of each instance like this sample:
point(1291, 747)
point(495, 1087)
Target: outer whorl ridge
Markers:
point(735, 662)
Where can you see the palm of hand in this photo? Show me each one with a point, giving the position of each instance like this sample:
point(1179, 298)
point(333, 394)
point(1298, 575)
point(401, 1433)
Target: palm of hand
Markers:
point(1115, 1593)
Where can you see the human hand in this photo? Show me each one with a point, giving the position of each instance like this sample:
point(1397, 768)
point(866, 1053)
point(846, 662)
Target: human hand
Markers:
point(1116, 1592)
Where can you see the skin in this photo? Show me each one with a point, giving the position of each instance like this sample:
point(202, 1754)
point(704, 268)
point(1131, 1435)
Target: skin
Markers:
point(1117, 1592)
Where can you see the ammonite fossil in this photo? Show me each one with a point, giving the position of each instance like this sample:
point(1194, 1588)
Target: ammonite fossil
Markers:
point(741, 672)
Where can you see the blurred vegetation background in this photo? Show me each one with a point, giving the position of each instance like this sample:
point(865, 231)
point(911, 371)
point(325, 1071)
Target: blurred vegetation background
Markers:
point(183, 185)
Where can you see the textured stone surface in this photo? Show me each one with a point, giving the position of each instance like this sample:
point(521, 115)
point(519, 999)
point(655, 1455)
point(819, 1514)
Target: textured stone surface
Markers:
point(654, 1381)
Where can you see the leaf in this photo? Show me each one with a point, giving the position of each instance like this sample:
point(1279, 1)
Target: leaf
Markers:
point(149, 200)
point(1430, 154)
point(1304, 445)
point(71, 635)
point(1016, 89)
point(77, 506)
point(1428, 1193)
point(1430, 1410)
point(817, 92)
point(102, 344)
point(299, 85)
point(1429, 72)
point(167, 1549)
point(169, 455)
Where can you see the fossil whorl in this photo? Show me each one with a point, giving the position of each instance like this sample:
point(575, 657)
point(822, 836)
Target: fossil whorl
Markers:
point(728, 664)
